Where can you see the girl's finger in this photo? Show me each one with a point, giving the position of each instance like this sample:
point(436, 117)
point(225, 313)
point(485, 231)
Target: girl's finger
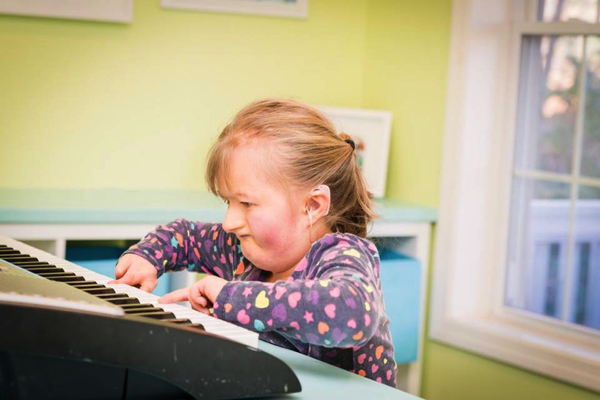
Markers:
point(199, 308)
point(203, 310)
point(128, 279)
point(148, 285)
point(122, 267)
point(173, 297)
point(197, 297)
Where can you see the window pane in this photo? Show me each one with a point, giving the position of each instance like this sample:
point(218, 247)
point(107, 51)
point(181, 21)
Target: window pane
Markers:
point(585, 296)
point(548, 103)
point(568, 10)
point(590, 154)
point(539, 224)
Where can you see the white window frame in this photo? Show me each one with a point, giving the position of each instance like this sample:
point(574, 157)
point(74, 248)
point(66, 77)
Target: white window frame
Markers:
point(467, 308)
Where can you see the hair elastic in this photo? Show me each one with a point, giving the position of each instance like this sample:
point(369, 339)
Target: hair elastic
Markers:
point(351, 143)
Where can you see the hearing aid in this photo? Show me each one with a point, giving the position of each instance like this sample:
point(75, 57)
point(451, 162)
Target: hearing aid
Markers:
point(325, 189)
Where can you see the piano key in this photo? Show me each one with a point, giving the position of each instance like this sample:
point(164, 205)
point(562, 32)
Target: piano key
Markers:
point(84, 284)
point(143, 310)
point(124, 300)
point(32, 264)
point(132, 306)
point(181, 321)
point(158, 315)
point(98, 290)
point(113, 295)
point(18, 257)
point(55, 274)
point(66, 278)
point(41, 270)
point(6, 252)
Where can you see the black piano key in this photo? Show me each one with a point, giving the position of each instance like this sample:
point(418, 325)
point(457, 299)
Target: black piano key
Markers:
point(179, 321)
point(18, 257)
point(82, 284)
point(118, 298)
point(6, 252)
point(10, 254)
point(44, 270)
point(32, 264)
point(198, 326)
point(141, 305)
point(90, 286)
point(49, 275)
point(99, 290)
point(143, 310)
point(112, 296)
point(67, 279)
point(128, 300)
point(158, 315)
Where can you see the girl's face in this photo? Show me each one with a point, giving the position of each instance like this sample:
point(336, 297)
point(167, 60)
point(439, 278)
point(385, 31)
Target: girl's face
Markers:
point(269, 221)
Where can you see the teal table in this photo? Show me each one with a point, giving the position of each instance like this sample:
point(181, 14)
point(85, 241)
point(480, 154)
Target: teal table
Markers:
point(323, 381)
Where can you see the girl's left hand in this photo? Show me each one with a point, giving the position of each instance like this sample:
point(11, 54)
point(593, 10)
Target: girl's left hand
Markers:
point(201, 294)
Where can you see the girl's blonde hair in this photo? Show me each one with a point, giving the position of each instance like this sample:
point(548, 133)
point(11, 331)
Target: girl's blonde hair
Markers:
point(308, 153)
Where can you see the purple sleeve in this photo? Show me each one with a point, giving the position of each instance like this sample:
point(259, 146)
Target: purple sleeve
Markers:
point(199, 247)
point(339, 307)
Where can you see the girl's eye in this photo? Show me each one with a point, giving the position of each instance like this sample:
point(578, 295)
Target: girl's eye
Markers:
point(245, 204)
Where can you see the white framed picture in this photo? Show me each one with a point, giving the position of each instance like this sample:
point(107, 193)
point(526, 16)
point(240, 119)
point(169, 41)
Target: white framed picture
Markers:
point(276, 8)
point(371, 131)
point(94, 10)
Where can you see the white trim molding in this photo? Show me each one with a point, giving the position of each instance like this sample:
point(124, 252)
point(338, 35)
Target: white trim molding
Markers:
point(469, 261)
point(94, 10)
point(292, 9)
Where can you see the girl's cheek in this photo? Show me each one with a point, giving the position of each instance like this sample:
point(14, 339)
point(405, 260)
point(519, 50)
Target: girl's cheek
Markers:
point(268, 232)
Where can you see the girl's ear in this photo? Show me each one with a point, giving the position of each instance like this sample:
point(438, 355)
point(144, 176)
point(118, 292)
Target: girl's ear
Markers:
point(319, 200)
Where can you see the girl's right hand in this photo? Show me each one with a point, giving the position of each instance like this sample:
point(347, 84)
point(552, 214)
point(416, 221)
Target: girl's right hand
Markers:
point(135, 271)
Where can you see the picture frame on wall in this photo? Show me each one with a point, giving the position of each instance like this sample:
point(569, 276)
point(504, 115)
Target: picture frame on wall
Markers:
point(93, 10)
point(275, 8)
point(371, 132)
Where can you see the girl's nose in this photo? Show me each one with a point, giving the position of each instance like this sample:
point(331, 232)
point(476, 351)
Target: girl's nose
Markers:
point(233, 220)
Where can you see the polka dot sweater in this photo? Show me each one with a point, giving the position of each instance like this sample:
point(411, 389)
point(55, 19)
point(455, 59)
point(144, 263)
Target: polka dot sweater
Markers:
point(331, 307)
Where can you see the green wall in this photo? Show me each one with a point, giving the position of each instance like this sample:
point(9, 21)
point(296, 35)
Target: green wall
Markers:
point(452, 374)
point(97, 105)
point(406, 63)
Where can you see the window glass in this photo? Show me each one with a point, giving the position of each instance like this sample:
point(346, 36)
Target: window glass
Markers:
point(568, 10)
point(554, 239)
point(549, 102)
point(590, 153)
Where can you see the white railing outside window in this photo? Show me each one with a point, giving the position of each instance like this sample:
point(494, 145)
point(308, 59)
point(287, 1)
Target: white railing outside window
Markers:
point(540, 283)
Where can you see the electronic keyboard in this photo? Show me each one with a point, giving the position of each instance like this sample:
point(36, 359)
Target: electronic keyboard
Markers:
point(67, 333)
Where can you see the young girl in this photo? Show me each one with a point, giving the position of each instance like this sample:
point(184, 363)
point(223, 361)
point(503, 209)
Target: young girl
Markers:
point(290, 259)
